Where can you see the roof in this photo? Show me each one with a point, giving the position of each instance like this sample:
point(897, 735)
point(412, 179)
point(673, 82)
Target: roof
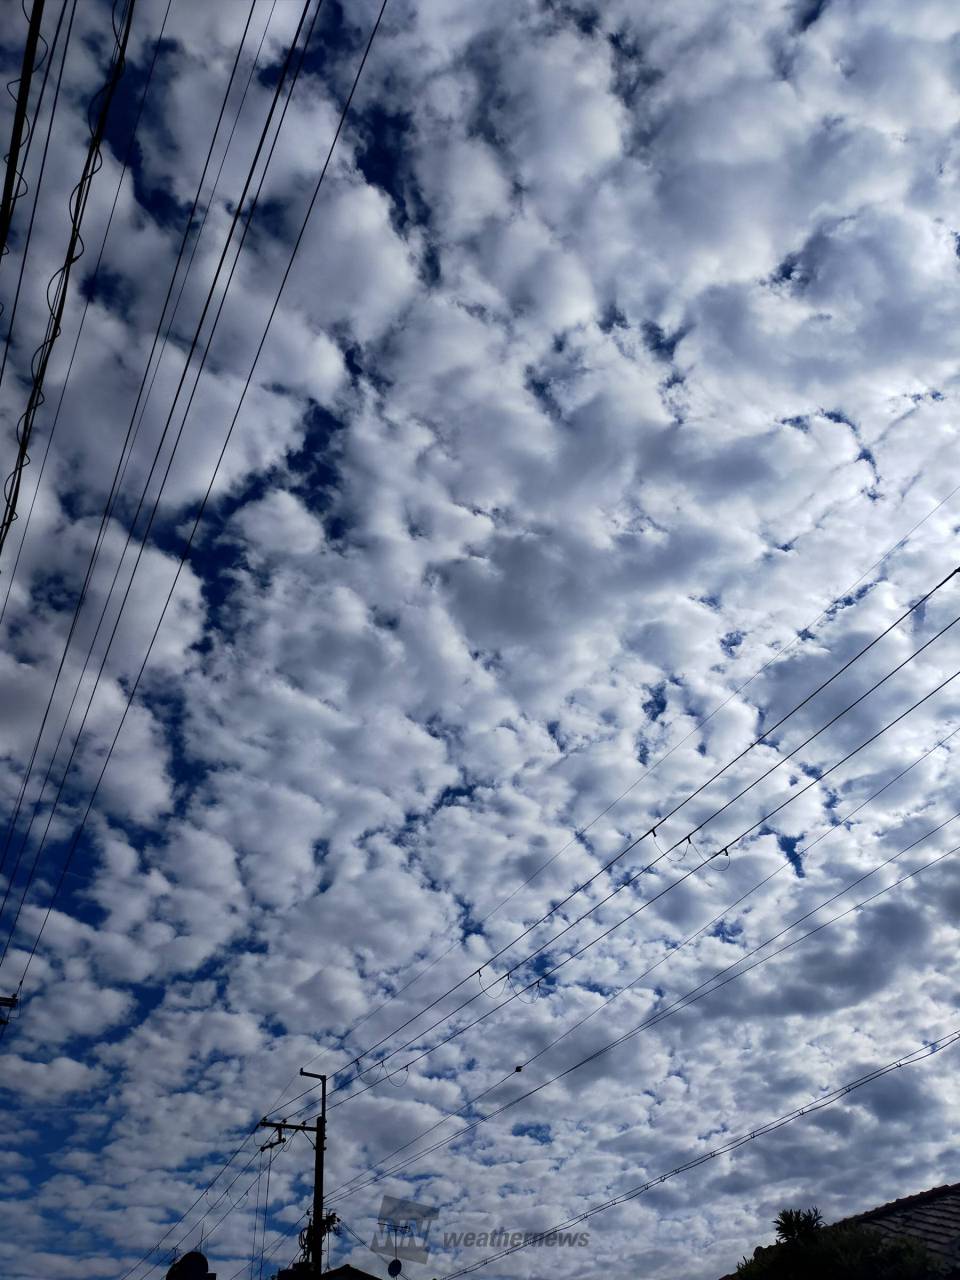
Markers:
point(932, 1217)
point(346, 1272)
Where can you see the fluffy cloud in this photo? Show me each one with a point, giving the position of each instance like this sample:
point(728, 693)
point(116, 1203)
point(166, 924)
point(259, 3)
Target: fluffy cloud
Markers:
point(615, 358)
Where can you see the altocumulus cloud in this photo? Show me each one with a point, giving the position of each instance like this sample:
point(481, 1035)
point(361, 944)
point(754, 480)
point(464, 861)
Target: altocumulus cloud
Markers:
point(621, 342)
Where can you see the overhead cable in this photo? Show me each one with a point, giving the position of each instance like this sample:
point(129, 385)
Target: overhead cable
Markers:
point(462, 1030)
point(111, 498)
point(673, 950)
point(925, 1051)
point(653, 828)
point(12, 179)
point(90, 283)
point(677, 844)
point(169, 465)
point(800, 634)
point(59, 282)
point(718, 980)
point(196, 523)
point(24, 253)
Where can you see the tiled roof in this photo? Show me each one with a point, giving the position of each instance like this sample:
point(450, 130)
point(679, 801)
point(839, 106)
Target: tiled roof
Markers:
point(347, 1272)
point(932, 1216)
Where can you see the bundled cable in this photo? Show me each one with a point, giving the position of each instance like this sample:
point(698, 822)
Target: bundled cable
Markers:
point(13, 182)
point(278, 91)
point(921, 1054)
point(28, 238)
point(97, 115)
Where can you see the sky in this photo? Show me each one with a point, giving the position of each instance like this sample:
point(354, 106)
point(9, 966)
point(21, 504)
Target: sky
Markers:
point(608, 410)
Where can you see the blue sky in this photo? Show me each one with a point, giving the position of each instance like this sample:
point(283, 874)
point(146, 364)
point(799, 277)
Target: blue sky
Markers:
point(618, 353)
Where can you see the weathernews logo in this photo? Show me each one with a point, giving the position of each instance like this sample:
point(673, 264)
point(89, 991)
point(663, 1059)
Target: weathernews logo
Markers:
point(402, 1229)
point(404, 1225)
point(503, 1239)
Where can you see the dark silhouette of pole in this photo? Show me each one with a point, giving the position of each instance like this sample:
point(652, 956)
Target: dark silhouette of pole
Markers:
point(320, 1226)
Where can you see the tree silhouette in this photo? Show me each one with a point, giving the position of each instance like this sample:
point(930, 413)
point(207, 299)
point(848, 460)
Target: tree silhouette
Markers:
point(806, 1248)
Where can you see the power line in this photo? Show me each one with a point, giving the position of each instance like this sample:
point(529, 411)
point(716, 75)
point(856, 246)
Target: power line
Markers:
point(837, 764)
point(12, 177)
point(316, 192)
point(733, 1144)
point(800, 634)
point(43, 164)
point(199, 1224)
point(209, 490)
point(118, 476)
point(156, 504)
point(42, 60)
point(901, 541)
point(348, 1187)
point(296, 246)
point(285, 1235)
point(927, 1050)
point(61, 279)
point(649, 866)
point(652, 830)
point(761, 822)
point(129, 441)
point(108, 506)
point(92, 283)
point(720, 978)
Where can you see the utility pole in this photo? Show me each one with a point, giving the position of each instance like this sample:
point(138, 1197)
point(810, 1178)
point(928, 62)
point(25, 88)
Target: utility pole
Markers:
point(321, 1225)
point(11, 1002)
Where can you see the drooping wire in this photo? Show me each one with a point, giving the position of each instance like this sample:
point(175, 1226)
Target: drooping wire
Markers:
point(715, 982)
point(90, 294)
point(677, 844)
point(112, 496)
point(199, 516)
point(60, 281)
point(13, 184)
point(652, 830)
point(342, 120)
point(800, 634)
point(673, 950)
point(278, 90)
point(927, 1050)
point(43, 164)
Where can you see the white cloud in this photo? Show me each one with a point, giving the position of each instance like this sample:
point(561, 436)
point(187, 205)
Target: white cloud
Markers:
point(618, 345)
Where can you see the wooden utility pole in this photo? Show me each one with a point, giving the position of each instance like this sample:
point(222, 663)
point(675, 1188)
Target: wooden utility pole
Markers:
point(321, 1225)
point(11, 1002)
